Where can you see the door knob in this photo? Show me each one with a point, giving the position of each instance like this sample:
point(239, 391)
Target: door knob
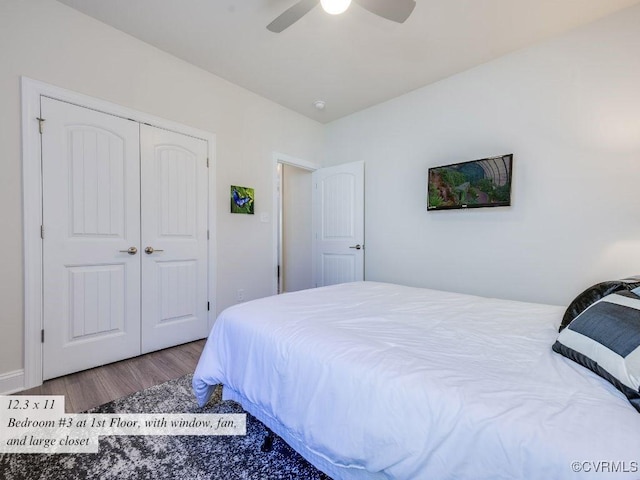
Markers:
point(130, 250)
point(357, 247)
point(150, 250)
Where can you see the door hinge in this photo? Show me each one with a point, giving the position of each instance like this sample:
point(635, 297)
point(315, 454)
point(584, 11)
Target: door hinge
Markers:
point(208, 237)
point(40, 124)
point(42, 232)
point(207, 162)
point(42, 336)
point(208, 306)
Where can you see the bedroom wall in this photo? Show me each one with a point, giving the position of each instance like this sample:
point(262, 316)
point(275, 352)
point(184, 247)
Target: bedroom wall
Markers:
point(569, 110)
point(50, 42)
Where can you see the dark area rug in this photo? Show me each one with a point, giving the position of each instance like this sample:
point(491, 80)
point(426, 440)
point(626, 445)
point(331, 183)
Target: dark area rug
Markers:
point(168, 457)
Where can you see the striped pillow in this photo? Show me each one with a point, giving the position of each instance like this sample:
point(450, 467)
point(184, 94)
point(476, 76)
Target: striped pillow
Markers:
point(595, 293)
point(605, 338)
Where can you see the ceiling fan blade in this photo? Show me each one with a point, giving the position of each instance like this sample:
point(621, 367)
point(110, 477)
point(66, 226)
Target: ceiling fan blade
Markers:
point(292, 15)
point(395, 10)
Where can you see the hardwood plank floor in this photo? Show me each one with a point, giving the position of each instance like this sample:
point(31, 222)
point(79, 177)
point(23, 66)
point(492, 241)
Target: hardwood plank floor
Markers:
point(90, 388)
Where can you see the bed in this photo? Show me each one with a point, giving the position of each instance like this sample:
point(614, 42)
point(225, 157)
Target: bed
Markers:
point(371, 380)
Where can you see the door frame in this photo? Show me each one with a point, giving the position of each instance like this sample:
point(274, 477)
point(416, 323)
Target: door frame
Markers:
point(31, 91)
point(283, 158)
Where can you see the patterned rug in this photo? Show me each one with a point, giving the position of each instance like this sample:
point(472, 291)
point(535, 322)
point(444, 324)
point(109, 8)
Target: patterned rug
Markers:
point(168, 457)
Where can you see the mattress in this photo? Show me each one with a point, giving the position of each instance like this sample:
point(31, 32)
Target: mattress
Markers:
point(374, 380)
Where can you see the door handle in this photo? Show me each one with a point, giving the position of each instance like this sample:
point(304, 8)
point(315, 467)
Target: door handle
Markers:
point(150, 250)
point(357, 247)
point(130, 250)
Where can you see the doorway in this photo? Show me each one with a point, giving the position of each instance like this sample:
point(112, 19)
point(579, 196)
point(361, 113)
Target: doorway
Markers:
point(319, 224)
point(294, 226)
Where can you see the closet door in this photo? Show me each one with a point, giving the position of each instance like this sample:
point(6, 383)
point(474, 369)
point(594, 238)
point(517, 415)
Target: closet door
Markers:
point(91, 244)
point(174, 238)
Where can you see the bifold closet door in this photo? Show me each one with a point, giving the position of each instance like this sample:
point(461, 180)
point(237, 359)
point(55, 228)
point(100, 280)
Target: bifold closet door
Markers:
point(125, 238)
point(91, 244)
point(174, 238)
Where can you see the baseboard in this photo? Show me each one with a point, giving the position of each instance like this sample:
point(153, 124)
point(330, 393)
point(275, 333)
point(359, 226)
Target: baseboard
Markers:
point(11, 382)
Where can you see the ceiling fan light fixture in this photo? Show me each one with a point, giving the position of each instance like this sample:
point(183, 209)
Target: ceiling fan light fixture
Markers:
point(335, 7)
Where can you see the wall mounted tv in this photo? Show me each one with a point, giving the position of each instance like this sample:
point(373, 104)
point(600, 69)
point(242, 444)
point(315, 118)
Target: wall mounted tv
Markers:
point(478, 183)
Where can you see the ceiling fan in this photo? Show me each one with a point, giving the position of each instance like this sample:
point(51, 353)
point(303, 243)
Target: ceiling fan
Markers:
point(394, 10)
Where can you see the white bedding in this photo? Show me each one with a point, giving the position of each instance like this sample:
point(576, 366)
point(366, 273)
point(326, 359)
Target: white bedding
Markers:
point(412, 383)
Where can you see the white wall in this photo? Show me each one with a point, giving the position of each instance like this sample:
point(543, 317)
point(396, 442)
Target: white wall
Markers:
point(297, 228)
point(569, 111)
point(50, 42)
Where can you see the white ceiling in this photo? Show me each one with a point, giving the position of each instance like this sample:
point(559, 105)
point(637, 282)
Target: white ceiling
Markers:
point(351, 61)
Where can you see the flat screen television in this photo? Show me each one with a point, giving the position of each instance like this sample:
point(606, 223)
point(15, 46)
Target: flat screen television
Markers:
point(474, 184)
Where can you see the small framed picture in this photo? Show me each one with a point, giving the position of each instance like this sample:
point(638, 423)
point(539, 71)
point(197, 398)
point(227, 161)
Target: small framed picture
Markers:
point(242, 200)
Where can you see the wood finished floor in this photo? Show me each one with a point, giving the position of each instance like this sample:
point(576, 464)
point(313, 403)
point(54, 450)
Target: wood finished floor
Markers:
point(90, 388)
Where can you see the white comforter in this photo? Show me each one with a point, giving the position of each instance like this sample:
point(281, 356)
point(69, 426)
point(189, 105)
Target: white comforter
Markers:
point(420, 383)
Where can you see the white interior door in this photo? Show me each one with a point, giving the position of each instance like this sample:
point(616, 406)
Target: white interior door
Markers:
point(174, 238)
point(91, 212)
point(338, 212)
point(125, 264)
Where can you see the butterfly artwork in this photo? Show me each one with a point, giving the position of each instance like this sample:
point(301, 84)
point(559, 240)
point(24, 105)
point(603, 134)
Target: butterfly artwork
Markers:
point(242, 199)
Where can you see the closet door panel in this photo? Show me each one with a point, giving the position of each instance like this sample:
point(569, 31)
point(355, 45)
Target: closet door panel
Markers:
point(174, 237)
point(91, 218)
